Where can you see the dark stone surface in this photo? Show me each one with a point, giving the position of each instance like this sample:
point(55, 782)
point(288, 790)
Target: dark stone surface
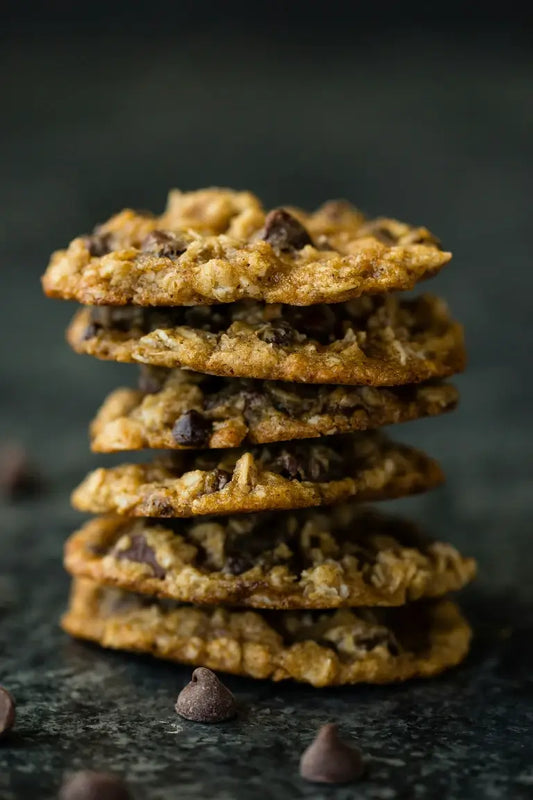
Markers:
point(430, 129)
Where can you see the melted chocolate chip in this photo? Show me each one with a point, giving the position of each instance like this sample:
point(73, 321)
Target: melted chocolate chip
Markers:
point(141, 552)
point(206, 699)
point(294, 400)
point(192, 429)
point(330, 760)
point(87, 785)
point(164, 243)
point(279, 332)
point(98, 244)
point(284, 232)
point(7, 711)
point(287, 465)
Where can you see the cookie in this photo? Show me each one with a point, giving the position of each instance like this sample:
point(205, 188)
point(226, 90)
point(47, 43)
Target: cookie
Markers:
point(220, 246)
point(174, 409)
point(377, 341)
point(320, 648)
point(348, 556)
point(186, 483)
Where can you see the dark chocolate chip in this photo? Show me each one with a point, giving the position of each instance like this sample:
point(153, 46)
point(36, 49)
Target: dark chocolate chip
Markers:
point(164, 243)
point(98, 244)
point(7, 711)
point(88, 785)
point(330, 760)
point(192, 429)
point(316, 322)
point(237, 564)
point(142, 553)
point(279, 332)
point(18, 476)
point(206, 699)
point(217, 480)
point(151, 379)
point(383, 235)
point(284, 232)
point(287, 465)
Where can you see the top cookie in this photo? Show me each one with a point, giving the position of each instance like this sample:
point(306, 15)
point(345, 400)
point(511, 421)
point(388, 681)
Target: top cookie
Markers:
point(220, 246)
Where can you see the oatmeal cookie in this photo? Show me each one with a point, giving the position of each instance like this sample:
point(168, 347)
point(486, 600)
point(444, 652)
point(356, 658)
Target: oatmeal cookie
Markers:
point(175, 409)
point(378, 645)
point(376, 341)
point(220, 246)
point(186, 483)
point(349, 556)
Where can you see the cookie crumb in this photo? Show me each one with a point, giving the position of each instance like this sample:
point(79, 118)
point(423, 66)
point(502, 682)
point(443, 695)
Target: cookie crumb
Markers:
point(330, 760)
point(206, 699)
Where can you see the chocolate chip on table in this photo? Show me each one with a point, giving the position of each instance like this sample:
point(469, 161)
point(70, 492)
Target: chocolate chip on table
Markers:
point(18, 476)
point(88, 785)
point(206, 699)
point(330, 760)
point(98, 244)
point(284, 232)
point(141, 552)
point(164, 243)
point(7, 712)
point(192, 429)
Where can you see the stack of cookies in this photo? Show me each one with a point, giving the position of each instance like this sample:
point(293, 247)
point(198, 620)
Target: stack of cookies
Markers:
point(272, 347)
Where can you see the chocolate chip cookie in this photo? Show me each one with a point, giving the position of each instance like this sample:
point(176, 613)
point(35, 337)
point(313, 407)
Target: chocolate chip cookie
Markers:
point(174, 409)
point(348, 556)
point(346, 646)
point(376, 341)
point(220, 246)
point(186, 483)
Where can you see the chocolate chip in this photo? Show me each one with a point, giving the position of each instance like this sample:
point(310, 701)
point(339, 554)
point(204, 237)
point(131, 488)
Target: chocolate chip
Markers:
point(330, 760)
point(279, 332)
point(237, 564)
point(284, 232)
point(316, 322)
point(87, 785)
point(287, 465)
point(164, 243)
point(383, 235)
point(141, 552)
point(206, 699)
point(151, 379)
point(98, 244)
point(7, 711)
point(92, 330)
point(192, 429)
point(217, 480)
point(18, 476)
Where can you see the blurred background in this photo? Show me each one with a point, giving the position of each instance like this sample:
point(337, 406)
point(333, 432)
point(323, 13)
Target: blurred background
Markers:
point(415, 110)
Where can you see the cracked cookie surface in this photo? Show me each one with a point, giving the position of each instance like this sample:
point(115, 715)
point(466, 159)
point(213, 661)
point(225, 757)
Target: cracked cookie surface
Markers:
point(174, 409)
point(377, 341)
point(345, 557)
point(320, 648)
point(220, 246)
point(185, 483)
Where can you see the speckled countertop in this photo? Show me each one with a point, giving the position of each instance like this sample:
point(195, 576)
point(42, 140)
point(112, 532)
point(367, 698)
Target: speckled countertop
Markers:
point(459, 163)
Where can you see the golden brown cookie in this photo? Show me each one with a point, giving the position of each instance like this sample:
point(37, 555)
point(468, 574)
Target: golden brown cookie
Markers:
point(220, 246)
point(377, 341)
point(320, 648)
point(174, 409)
point(348, 556)
point(186, 483)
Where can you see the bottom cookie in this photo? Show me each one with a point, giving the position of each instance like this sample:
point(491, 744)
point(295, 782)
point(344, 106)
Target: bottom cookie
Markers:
point(321, 648)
